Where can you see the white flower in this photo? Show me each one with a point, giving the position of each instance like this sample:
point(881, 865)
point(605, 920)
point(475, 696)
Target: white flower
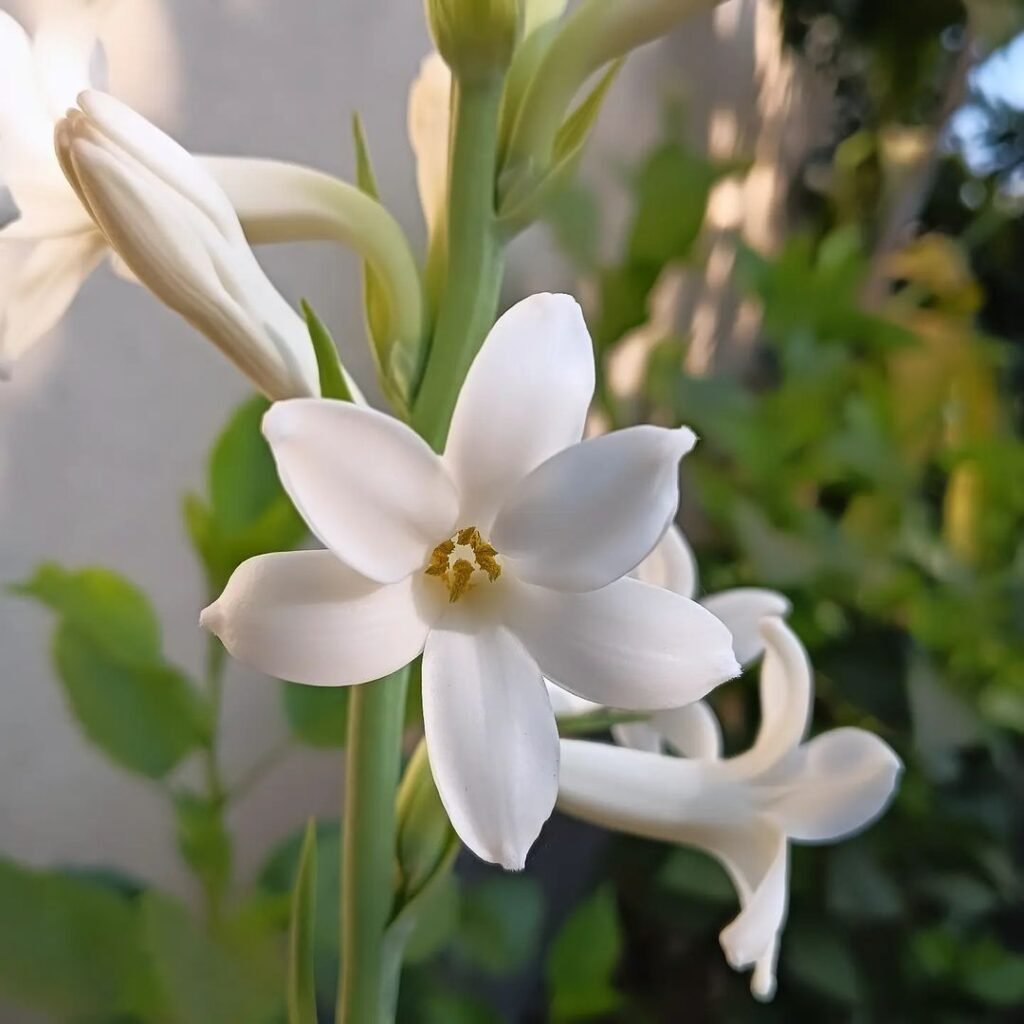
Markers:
point(58, 245)
point(429, 122)
point(501, 560)
point(672, 565)
point(169, 220)
point(743, 810)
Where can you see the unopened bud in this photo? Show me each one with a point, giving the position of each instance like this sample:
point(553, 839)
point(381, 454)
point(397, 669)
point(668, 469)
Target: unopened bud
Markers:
point(476, 38)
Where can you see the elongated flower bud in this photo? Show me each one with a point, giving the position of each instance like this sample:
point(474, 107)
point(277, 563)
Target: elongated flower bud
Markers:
point(171, 223)
point(476, 38)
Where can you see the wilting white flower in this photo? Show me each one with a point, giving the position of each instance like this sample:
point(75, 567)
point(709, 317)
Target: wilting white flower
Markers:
point(169, 220)
point(503, 559)
point(743, 810)
point(57, 243)
point(672, 565)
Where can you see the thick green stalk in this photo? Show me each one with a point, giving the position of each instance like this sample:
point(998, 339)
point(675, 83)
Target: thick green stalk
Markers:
point(372, 767)
point(475, 258)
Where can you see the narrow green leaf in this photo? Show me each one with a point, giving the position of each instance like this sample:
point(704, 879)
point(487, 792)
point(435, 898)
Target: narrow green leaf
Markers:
point(144, 717)
point(301, 936)
point(583, 958)
point(332, 377)
point(318, 715)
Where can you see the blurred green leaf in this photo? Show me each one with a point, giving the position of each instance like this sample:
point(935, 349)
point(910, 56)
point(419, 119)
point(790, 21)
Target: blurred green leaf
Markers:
point(695, 875)
point(203, 839)
point(583, 958)
point(859, 888)
point(71, 946)
point(247, 512)
point(318, 715)
point(499, 925)
point(820, 959)
point(232, 980)
point(994, 975)
point(141, 711)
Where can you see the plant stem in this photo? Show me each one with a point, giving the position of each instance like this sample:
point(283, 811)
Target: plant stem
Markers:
point(376, 714)
point(475, 257)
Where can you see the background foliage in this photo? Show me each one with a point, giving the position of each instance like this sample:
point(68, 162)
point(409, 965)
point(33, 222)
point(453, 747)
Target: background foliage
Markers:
point(867, 461)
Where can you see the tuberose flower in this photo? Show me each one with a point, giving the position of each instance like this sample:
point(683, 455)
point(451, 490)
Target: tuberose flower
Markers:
point(39, 79)
point(743, 810)
point(672, 565)
point(503, 560)
point(176, 230)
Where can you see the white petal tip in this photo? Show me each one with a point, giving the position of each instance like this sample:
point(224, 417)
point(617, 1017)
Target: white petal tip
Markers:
point(212, 618)
point(685, 440)
point(763, 988)
point(773, 629)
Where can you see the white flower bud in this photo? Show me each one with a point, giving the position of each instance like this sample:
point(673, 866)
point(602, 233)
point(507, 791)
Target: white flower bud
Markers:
point(476, 38)
point(170, 222)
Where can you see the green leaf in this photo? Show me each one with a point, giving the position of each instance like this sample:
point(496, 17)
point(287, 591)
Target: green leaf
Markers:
point(332, 379)
point(993, 975)
point(102, 606)
point(247, 513)
point(583, 959)
point(278, 877)
point(203, 840)
point(71, 946)
point(144, 717)
point(696, 875)
point(858, 888)
point(820, 959)
point(499, 926)
point(302, 933)
point(318, 715)
point(526, 196)
point(233, 980)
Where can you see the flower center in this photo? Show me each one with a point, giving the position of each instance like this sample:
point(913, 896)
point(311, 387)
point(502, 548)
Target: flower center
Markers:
point(456, 560)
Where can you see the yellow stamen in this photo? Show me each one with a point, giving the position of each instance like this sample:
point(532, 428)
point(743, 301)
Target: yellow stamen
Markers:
point(458, 577)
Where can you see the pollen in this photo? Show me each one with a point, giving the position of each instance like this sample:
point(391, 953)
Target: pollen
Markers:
point(457, 560)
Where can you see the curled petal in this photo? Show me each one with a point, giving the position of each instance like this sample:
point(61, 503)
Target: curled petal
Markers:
point(590, 514)
point(692, 731)
point(566, 704)
point(841, 781)
point(742, 610)
point(671, 565)
point(638, 736)
point(524, 399)
point(305, 617)
point(492, 740)
point(626, 646)
point(368, 487)
point(786, 696)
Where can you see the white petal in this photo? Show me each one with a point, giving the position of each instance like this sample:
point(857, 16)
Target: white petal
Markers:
point(691, 731)
point(742, 610)
point(757, 859)
point(638, 736)
point(366, 485)
point(671, 564)
point(524, 399)
point(841, 781)
point(26, 128)
point(40, 292)
point(786, 695)
point(63, 48)
point(592, 513)
point(305, 617)
point(566, 704)
point(163, 157)
point(492, 740)
point(429, 120)
point(628, 645)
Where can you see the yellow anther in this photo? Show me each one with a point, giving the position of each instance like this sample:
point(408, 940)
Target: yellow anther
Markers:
point(458, 579)
point(458, 576)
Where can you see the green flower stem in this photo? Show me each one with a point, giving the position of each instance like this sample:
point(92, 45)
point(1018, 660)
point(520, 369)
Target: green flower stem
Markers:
point(216, 793)
point(372, 768)
point(475, 256)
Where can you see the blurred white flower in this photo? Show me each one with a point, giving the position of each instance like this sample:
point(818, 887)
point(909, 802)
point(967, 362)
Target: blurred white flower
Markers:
point(672, 565)
point(503, 559)
point(58, 244)
point(171, 223)
point(429, 121)
point(743, 810)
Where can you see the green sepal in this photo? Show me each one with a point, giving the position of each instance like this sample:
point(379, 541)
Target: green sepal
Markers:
point(525, 190)
point(397, 364)
point(332, 377)
point(301, 935)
